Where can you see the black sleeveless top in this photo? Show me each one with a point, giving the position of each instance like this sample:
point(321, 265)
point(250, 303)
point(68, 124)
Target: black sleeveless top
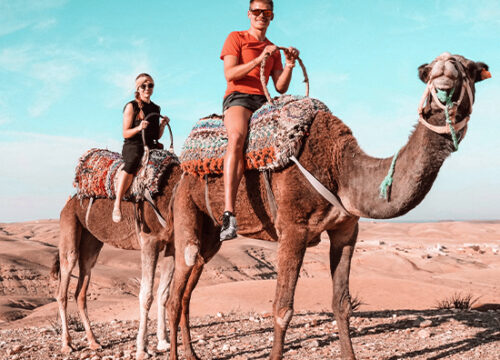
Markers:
point(153, 129)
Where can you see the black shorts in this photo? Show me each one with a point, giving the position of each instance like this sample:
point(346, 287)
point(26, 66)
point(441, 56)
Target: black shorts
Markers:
point(132, 156)
point(250, 101)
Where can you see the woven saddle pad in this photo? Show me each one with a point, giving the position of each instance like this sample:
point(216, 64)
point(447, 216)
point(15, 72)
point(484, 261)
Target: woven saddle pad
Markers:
point(97, 171)
point(275, 133)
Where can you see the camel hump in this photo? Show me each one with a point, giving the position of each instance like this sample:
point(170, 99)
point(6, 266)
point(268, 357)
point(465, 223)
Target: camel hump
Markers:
point(97, 170)
point(276, 132)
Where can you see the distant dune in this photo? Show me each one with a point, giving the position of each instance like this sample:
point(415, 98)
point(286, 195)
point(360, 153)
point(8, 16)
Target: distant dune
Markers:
point(395, 266)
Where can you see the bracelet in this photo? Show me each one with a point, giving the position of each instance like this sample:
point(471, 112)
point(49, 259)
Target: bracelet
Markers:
point(291, 65)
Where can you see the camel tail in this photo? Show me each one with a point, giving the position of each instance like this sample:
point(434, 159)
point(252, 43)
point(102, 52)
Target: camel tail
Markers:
point(55, 272)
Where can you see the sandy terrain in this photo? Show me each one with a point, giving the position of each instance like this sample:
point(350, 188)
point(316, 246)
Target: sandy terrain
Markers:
point(399, 272)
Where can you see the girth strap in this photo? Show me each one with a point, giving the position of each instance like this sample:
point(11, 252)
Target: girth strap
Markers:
point(151, 202)
point(207, 201)
point(270, 196)
point(88, 212)
point(319, 187)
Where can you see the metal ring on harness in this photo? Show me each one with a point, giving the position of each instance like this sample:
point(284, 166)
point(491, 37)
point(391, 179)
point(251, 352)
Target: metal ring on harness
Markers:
point(263, 78)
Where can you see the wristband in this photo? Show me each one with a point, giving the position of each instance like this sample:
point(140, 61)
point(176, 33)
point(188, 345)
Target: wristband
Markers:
point(292, 65)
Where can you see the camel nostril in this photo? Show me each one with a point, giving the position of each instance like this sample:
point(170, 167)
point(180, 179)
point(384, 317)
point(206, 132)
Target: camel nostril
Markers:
point(450, 70)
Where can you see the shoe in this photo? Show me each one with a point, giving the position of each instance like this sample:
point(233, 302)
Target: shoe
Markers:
point(229, 227)
point(117, 215)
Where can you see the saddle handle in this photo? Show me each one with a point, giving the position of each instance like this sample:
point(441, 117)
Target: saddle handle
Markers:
point(171, 149)
point(263, 78)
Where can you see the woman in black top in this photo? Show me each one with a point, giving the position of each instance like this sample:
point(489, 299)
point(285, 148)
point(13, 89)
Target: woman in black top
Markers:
point(134, 114)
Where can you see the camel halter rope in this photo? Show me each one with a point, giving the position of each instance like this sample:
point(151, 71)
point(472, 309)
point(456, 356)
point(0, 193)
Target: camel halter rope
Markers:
point(450, 109)
point(263, 75)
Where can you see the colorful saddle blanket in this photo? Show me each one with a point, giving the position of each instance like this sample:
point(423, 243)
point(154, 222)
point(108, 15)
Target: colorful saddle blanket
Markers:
point(97, 170)
point(275, 133)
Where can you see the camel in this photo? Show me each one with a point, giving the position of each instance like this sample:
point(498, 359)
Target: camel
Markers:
point(82, 239)
point(332, 155)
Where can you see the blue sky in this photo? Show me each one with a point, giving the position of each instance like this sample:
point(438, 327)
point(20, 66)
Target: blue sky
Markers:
point(68, 68)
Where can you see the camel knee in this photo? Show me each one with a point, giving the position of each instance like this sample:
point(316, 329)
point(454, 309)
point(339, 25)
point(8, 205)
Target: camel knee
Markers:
point(190, 254)
point(341, 304)
point(283, 317)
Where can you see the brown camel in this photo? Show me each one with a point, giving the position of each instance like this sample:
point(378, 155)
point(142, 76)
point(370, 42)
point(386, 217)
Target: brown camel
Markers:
point(82, 241)
point(332, 154)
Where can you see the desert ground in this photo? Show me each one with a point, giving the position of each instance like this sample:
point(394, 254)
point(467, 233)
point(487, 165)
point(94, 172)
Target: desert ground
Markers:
point(402, 274)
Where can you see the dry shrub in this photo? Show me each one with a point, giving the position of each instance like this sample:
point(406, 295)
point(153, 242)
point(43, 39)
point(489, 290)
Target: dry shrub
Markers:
point(457, 301)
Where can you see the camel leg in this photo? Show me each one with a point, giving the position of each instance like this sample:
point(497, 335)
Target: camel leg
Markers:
point(149, 258)
point(182, 273)
point(90, 248)
point(184, 322)
point(341, 250)
point(68, 254)
point(166, 266)
point(291, 250)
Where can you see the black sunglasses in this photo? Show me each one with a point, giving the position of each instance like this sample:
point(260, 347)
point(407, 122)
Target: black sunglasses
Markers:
point(147, 86)
point(256, 12)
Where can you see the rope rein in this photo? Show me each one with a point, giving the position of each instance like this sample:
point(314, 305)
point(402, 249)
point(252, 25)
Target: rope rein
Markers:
point(444, 101)
point(263, 75)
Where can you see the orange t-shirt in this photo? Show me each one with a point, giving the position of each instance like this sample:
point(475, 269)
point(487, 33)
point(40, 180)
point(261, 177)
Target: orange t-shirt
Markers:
point(246, 48)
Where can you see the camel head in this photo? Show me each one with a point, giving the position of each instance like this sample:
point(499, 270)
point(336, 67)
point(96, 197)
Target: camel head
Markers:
point(450, 90)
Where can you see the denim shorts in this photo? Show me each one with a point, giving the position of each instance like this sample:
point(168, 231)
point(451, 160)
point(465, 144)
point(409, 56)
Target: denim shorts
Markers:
point(250, 101)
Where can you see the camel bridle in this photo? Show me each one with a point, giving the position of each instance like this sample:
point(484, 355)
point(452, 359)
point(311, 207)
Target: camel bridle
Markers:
point(451, 107)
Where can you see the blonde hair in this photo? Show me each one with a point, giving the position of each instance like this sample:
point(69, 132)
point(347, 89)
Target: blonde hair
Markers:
point(139, 80)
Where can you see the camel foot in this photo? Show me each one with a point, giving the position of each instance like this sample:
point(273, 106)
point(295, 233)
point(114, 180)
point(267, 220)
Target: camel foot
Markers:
point(94, 345)
point(67, 349)
point(163, 345)
point(141, 355)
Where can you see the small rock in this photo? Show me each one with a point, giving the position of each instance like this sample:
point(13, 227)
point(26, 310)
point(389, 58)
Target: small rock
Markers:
point(219, 315)
point(15, 349)
point(425, 323)
point(233, 348)
point(201, 342)
point(225, 347)
point(424, 334)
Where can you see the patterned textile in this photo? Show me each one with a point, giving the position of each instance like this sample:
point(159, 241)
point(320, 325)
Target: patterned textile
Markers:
point(97, 170)
point(275, 133)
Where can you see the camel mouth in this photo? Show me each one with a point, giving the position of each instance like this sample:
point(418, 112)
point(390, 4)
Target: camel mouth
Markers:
point(444, 83)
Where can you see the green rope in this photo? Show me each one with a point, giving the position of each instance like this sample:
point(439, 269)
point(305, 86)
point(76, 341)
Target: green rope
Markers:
point(446, 99)
point(387, 182)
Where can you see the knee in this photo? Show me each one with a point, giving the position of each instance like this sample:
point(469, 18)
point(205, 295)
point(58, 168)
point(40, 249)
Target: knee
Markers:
point(235, 142)
point(283, 316)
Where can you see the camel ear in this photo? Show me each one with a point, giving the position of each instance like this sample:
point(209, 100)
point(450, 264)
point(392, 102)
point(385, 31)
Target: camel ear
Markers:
point(423, 72)
point(478, 71)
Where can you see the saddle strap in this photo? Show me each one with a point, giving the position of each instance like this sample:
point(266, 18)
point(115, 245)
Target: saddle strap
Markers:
point(207, 201)
point(270, 196)
point(88, 212)
point(151, 202)
point(319, 187)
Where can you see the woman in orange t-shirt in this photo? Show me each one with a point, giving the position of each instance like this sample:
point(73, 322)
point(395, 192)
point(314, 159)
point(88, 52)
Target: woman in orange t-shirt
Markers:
point(243, 53)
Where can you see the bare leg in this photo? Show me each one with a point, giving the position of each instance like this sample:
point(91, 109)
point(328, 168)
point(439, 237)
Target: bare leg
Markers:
point(185, 329)
point(89, 251)
point(149, 258)
point(124, 182)
point(68, 254)
point(236, 123)
point(166, 272)
point(341, 249)
point(291, 250)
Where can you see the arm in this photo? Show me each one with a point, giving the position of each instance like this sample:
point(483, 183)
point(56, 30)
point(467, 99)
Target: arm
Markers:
point(234, 71)
point(128, 120)
point(281, 78)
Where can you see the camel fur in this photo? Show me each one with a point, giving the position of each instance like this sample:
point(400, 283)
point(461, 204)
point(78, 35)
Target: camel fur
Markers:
point(82, 241)
point(332, 154)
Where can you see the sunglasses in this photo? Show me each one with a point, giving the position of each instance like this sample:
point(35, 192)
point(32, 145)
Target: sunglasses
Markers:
point(147, 86)
point(257, 12)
